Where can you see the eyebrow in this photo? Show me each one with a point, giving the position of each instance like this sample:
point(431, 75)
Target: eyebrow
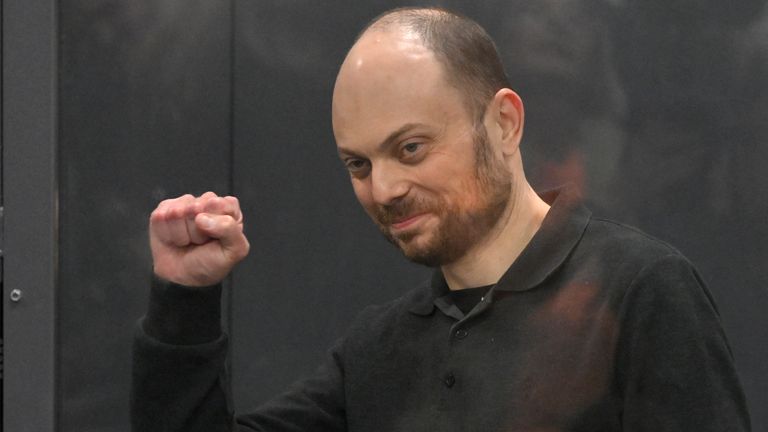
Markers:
point(388, 141)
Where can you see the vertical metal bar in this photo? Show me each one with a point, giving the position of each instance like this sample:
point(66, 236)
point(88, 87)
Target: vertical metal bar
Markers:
point(230, 282)
point(30, 194)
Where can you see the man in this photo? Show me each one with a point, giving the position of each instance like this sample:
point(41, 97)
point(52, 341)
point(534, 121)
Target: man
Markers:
point(538, 317)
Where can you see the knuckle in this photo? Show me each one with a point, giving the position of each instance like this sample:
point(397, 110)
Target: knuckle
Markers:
point(174, 212)
point(216, 204)
point(206, 206)
point(159, 213)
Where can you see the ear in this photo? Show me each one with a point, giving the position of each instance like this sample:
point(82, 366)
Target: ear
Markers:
point(507, 114)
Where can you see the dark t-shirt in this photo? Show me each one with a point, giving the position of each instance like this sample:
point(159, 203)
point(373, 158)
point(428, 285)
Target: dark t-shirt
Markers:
point(467, 298)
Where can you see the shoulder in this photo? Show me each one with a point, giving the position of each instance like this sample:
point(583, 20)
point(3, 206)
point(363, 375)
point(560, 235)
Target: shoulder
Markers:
point(654, 275)
point(382, 321)
point(626, 241)
point(618, 248)
point(382, 315)
point(627, 262)
point(654, 287)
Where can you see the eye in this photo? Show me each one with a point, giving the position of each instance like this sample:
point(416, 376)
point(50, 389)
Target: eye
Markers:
point(411, 147)
point(411, 151)
point(355, 166)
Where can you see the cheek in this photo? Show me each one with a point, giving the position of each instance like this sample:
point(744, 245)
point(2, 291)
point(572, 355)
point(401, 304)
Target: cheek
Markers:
point(363, 194)
point(458, 186)
point(467, 194)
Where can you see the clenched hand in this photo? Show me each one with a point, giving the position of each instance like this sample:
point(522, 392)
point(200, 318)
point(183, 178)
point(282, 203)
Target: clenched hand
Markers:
point(196, 241)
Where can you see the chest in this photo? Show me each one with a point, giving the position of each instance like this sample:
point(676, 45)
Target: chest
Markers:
point(522, 363)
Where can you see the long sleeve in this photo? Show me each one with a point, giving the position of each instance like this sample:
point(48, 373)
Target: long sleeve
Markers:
point(180, 382)
point(675, 368)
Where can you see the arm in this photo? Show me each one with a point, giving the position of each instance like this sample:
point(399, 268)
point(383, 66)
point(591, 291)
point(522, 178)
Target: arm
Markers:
point(179, 381)
point(675, 368)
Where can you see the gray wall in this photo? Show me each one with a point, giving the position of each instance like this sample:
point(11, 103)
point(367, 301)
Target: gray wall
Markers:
point(655, 109)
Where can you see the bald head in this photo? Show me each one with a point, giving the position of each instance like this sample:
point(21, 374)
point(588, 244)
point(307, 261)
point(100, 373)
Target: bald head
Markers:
point(383, 73)
point(466, 53)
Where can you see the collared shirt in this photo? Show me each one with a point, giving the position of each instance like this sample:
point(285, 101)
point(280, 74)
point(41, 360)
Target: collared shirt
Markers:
point(464, 300)
point(594, 327)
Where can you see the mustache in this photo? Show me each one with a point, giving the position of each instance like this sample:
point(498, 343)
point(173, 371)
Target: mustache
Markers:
point(388, 214)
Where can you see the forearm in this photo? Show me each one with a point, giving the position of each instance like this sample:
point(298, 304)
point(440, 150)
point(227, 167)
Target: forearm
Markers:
point(179, 379)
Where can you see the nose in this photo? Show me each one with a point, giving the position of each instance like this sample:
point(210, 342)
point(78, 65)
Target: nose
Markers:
point(388, 184)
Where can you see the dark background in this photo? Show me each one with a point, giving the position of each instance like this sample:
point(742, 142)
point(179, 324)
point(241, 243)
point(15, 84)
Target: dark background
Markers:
point(655, 109)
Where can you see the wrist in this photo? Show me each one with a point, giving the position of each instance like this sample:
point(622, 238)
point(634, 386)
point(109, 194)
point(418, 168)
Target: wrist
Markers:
point(183, 315)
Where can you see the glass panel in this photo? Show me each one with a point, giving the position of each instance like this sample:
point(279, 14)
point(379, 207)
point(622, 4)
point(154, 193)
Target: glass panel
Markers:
point(144, 115)
point(655, 110)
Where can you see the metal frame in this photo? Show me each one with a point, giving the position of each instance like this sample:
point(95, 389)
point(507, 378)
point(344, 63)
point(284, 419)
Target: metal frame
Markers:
point(29, 74)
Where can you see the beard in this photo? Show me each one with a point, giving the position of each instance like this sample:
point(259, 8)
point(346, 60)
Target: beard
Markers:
point(459, 228)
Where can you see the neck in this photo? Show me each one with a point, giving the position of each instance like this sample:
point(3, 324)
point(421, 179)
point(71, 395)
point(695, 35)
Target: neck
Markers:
point(487, 261)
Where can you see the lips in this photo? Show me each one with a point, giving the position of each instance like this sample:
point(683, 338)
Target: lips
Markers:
point(403, 223)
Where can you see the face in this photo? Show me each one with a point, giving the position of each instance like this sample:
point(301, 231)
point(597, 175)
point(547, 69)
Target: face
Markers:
point(424, 172)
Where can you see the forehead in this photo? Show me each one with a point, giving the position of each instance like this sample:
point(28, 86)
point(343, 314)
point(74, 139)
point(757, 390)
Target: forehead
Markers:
point(390, 79)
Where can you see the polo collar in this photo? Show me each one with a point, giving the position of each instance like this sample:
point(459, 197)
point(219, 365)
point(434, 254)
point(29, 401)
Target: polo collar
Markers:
point(558, 235)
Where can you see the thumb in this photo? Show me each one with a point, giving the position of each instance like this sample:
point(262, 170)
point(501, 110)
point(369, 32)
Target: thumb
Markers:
point(224, 228)
point(206, 223)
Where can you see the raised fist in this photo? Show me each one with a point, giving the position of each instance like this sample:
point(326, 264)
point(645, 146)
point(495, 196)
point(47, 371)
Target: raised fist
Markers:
point(196, 241)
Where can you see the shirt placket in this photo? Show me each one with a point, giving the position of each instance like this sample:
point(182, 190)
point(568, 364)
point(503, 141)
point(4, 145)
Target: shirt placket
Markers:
point(460, 331)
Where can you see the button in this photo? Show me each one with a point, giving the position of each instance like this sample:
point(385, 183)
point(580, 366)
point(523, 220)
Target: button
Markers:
point(449, 380)
point(461, 334)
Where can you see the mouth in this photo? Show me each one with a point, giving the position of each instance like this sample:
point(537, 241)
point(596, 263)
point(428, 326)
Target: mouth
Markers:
point(406, 222)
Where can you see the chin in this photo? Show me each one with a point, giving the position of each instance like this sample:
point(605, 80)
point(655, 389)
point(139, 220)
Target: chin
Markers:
point(424, 258)
point(423, 248)
point(420, 251)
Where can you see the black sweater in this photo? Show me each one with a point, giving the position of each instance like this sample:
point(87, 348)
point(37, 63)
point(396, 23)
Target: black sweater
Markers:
point(595, 327)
